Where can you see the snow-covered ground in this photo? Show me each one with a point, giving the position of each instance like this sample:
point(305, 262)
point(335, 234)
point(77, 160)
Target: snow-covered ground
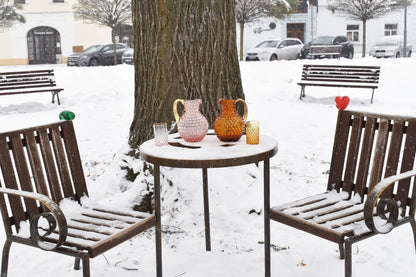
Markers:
point(102, 99)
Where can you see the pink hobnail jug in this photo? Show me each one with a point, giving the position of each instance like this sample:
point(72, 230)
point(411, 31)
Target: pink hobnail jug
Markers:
point(192, 125)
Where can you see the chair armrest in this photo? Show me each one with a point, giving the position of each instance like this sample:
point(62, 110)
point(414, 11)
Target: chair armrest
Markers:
point(387, 208)
point(55, 218)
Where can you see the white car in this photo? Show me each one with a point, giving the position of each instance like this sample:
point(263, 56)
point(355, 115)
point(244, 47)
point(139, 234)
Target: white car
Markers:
point(276, 49)
point(390, 46)
point(128, 57)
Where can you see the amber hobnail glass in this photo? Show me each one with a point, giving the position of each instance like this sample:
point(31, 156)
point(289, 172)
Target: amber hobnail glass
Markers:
point(229, 126)
point(252, 132)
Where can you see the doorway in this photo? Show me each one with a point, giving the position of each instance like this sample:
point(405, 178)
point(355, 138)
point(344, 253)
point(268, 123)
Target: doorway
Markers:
point(296, 30)
point(44, 45)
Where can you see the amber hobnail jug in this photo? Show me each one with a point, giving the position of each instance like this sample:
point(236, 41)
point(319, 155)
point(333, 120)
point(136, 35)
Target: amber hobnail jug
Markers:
point(229, 125)
point(192, 125)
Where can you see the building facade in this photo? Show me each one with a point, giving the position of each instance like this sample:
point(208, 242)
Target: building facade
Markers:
point(313, 18)
point(50, 34)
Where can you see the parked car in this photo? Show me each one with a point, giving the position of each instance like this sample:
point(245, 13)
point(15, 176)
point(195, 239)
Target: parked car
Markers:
point(128, 56)
point(328, 47)
point(100, 54)
point(276, 49)
point(390, 47)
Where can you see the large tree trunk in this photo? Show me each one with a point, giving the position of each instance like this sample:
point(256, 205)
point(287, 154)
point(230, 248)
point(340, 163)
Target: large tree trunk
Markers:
point(183, 49)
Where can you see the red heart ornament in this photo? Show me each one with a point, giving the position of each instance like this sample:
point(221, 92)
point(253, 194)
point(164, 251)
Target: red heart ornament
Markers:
point(342, 102)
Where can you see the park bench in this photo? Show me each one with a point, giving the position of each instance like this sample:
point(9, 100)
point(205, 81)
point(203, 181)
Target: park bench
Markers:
point(343, 76)
point(32, 81)
point(40, 167)
point(371, 185)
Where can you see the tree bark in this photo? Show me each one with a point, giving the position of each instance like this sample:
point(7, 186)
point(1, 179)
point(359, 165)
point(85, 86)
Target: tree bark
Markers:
point(182, 49)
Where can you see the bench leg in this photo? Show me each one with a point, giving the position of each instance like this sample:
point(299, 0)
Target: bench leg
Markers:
point(341, 251)
point(76, 263)
point(5, 258)
point(372, 96)
point(85, 266)
point(54, 93)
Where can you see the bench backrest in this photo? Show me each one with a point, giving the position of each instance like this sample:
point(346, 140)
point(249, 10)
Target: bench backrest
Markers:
point(341, 73)
point(42, 159)
point(369, 147)
point(27, 79)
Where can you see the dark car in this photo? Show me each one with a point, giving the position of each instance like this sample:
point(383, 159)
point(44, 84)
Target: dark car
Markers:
point(328, 47)
point(100, 54)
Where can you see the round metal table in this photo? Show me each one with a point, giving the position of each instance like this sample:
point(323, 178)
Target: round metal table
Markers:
point(209, 153)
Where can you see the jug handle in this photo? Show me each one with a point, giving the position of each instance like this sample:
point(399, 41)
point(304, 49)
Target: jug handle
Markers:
point(245, 108)
point(175, 108)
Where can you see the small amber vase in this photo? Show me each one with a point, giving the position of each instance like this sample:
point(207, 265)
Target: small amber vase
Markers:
point(192, 125)
point(229, 126)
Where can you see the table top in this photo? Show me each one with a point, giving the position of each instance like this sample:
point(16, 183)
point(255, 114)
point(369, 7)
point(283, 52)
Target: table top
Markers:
point(208, 153)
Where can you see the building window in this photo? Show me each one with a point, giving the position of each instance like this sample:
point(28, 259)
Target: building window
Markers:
point(20, 1)
point(353, 32)
point(58, 1)
point(390, 29)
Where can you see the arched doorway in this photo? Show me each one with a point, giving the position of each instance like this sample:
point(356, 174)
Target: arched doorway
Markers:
point(44, 45)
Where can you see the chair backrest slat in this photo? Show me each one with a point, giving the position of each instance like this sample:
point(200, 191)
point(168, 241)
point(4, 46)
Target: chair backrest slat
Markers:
point(408, 162)
point(43, 159)
point(74, 160)
point(365, 156)
point(49, 163)
point(394, 154)
point(23, 173)
point(369, 147)
point(61, 162)
point(379, 153)
point(353, 149)
point(36, 163)
point(338, 154)
point(9, 179)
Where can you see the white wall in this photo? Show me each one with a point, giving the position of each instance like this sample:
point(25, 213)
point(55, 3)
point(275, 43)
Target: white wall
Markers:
point(335, 24)
point(328, 23)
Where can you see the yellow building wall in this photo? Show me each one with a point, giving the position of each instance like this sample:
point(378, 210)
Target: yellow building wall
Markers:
point(59, 16)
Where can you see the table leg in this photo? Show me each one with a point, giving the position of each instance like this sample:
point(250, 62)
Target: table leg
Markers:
point(206, 209)
point(158, 229)
point(267, 217)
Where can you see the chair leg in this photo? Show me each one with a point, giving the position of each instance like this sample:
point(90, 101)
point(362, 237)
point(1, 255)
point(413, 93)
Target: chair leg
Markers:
point(5, 258)
point(76, 263)
point(341, 251)
point(86, 266)
point(413, 223)
point(348, 258)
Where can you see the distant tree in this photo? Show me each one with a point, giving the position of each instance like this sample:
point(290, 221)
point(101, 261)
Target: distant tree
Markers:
point(110, 13)
point(280, 8)
point(9, 14)
point(364, 10)
point(247, 11)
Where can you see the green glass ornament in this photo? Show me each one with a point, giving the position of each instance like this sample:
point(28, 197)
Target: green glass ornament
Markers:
point(66, 115)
